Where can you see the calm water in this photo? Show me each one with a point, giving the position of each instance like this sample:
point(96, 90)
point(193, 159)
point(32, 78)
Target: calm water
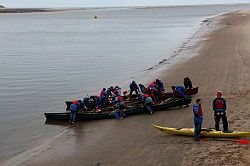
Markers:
point(47, 58)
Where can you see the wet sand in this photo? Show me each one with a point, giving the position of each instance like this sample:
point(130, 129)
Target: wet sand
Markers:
point(222, 64)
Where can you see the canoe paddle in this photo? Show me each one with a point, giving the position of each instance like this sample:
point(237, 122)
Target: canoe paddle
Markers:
point(240, 141)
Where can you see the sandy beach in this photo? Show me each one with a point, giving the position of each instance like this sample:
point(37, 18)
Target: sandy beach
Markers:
point(222, 64)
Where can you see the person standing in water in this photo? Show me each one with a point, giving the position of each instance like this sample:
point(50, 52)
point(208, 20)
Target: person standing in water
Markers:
point(73, 111)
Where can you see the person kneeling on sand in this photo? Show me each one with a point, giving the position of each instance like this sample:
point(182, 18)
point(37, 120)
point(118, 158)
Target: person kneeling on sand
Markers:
point(198, 118)
point(219, 107)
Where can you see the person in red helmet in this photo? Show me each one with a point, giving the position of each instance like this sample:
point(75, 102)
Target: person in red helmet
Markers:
point(219, 107)
point(148, 102)
point(73, 111)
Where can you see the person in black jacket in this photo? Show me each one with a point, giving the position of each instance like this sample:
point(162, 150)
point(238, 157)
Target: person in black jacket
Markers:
point(187, 83)
point(219, 107)
point(134, 87)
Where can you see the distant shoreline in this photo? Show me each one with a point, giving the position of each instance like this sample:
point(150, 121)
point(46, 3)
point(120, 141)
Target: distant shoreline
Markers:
point(29, 10)
point(4, 9)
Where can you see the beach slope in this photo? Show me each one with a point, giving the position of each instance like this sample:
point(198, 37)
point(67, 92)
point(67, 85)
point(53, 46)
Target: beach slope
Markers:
point(222, 64)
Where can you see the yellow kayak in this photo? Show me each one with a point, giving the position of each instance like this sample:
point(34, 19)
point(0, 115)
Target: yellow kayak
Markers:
point(204, 132)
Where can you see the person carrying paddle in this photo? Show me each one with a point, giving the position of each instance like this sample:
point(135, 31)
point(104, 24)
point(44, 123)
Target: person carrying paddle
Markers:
point(219, 107)
point(198, 118)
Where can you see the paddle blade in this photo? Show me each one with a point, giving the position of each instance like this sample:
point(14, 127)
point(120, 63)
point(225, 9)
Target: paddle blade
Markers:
point(243, 142)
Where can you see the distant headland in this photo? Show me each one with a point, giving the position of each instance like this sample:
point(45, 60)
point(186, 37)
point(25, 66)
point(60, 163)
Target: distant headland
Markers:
point(4, 9)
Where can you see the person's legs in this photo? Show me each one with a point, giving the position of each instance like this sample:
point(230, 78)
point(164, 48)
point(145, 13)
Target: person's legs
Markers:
point(71, 117)
point(74, 117)
point(217, 122)
point(131, 91)
point(224, 121)
point(149, 108)
point(122, 113)
point(116, 115)
point(197, 129)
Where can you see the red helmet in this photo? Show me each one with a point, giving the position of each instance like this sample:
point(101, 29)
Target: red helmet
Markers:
point(75, 102)
point(152, 84)
point(219, 93)
point(115, 92)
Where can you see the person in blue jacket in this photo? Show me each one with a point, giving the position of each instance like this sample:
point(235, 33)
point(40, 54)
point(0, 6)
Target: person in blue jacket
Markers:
point(219, 107)
point(148, 101)
point(198, 118)
point(180, 89)
point(73, 111)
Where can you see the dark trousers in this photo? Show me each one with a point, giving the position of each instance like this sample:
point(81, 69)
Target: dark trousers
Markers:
point(224, 121)
point(136, 91)
point(197, 129)
point(149, 108)
point(73, 116)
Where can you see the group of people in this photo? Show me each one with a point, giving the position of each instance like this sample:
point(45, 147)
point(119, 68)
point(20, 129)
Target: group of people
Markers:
point(148, 95)
point(219, 108)
point(113, 96)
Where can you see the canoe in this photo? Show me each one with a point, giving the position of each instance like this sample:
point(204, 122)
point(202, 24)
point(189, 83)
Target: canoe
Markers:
point(131, 110)
point(204, 132)
point(189, 92)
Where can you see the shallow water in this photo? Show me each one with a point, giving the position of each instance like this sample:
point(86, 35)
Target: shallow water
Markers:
point(47, 58)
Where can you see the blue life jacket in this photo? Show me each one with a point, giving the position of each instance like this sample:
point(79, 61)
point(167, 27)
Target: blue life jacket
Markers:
point(73, 108)
point(148, 100)
point(181, 90)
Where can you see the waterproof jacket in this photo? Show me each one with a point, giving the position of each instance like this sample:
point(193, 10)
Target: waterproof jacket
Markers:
point(181, 90)
point(219, 105)
point(148, 100)
point(160, 85)
point(133, 86)
point(197, 110)
point(73, 108)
